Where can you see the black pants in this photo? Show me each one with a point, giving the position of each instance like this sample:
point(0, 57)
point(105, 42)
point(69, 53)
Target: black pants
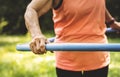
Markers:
point(103, 72)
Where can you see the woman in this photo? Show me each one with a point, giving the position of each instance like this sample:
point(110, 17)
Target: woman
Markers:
point(79, 21)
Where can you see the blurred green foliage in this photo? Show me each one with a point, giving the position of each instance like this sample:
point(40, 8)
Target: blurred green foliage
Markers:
point(12, 12)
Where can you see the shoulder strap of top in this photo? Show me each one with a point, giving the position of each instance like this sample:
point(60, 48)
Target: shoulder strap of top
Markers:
point(56, 4)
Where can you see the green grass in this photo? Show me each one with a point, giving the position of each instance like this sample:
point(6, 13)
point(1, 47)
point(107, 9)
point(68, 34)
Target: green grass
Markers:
point(115, 60)
point(14, 63)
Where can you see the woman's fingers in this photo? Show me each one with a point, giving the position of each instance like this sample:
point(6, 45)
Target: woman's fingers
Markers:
point(37, 45)
point(42, 45)
point(33, 47)
point(37, 41)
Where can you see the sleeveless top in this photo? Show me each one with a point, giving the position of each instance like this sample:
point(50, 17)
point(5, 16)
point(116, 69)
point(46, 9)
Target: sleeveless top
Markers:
point(80, 21)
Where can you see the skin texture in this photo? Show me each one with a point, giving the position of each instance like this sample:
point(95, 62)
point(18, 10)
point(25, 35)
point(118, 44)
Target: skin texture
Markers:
point(36, 9)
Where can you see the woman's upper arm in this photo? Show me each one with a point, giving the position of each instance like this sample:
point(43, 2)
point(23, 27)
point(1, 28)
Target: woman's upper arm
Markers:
point(40, 6)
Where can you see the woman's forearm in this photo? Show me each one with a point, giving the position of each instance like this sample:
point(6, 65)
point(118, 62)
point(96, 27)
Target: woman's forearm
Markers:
point(35, 10)
point(108, 16)
point(110, 21)
point(32, 23)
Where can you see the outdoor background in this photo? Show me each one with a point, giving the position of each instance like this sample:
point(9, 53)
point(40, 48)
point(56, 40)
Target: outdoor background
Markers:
point(14, 63)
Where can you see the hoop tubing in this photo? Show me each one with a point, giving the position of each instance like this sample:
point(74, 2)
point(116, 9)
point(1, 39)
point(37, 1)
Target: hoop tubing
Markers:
point(74, 47)
point(110, 30)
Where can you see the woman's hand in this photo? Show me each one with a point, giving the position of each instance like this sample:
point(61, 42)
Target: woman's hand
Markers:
point(116, 25)
point(37, 44)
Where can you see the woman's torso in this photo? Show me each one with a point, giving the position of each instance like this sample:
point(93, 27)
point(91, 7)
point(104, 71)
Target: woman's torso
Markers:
point(80, 21)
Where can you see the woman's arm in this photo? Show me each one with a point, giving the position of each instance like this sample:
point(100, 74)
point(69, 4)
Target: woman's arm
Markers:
point(34, 10)
point(111, 21)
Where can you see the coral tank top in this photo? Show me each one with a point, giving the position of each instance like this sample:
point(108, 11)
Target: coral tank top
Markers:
point(80, 21)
